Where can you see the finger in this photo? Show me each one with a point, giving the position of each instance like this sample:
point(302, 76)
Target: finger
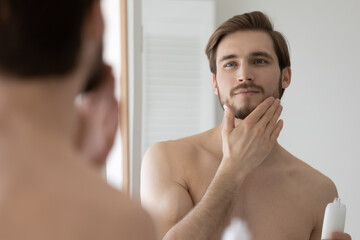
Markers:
point(82, 104)
point(272, 123)
point(260, 110)
point(106, 85)
point(340, 236)
point(109, 77)
point(228, 123)
point(104, 94)
point(266, 118)
point(275, 134)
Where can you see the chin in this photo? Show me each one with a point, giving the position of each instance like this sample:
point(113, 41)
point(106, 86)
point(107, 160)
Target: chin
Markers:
point(241, 112)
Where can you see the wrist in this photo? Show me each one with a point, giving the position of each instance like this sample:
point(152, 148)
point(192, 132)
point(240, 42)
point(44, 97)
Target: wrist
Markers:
point(232, 172)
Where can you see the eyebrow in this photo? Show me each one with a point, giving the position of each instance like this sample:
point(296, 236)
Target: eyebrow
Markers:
point(253, 54)
point(261, 54)
point(226, 57)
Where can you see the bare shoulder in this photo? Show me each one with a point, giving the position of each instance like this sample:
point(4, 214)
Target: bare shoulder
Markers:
point(313, 191)
point(173, 155)
point(130, 218)
point(317, 189)
point(78, 206)
point(172, 148)
point(318, 184)
point(121, 217)
point(164, 189)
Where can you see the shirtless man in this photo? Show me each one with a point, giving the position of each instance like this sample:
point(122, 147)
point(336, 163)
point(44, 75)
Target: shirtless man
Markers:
point(193, 186)
point(48, 51)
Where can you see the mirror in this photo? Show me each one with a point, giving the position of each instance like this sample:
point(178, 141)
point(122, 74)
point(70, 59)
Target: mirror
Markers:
point(321, 106)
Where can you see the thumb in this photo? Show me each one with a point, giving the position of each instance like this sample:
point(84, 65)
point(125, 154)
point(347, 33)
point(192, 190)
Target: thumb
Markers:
point(228, 123)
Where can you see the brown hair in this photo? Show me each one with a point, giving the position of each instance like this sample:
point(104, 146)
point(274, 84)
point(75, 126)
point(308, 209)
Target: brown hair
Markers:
point(248, 21)
point(41, 37)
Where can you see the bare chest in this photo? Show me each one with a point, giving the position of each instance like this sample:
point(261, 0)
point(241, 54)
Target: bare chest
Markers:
point(271, 214)
point(273, 206)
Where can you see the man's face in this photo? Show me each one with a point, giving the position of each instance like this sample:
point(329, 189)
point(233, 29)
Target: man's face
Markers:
point(247, 71)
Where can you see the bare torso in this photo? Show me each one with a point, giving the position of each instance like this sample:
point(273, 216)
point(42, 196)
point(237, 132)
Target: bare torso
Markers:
point(273, 201)
point(282, 199)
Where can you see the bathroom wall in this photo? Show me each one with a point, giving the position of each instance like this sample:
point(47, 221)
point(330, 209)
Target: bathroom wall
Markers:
point(322, 105)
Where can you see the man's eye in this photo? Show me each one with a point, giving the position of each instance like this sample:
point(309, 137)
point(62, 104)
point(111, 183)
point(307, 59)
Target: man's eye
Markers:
point(260, 61)
point(229, 65)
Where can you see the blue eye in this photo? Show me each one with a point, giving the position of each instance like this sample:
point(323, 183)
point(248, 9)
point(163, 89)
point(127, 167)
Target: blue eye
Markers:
point(260, 61)
point(229, 65)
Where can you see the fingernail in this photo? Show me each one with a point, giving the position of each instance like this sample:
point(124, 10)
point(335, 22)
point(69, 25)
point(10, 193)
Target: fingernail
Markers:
point(226, 108)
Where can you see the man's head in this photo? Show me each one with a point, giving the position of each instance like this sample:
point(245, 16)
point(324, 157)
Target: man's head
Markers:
point(249, 61)
point(43, 38)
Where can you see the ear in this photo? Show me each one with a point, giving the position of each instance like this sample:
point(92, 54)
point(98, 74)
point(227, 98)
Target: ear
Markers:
point(286, 77)
point(215, 87)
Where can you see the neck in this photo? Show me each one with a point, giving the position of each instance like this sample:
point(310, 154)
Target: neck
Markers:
point(36, 110)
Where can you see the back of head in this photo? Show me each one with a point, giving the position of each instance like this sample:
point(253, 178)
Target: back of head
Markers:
point(40, 37)
point(256, 21)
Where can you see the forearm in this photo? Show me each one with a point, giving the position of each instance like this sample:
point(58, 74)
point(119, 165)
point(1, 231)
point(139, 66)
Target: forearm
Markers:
point(211, 215)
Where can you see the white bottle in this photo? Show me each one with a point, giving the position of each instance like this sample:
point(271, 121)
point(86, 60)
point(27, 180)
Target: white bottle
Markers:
point(334, 219)
point(237, 230)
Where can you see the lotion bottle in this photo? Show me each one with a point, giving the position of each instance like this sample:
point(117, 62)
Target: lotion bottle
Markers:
point(334, 219)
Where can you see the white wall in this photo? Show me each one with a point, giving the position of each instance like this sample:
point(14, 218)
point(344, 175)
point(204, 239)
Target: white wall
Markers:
point(112, 55)
point(322, 105)
point(157, 28)
point(177, 94)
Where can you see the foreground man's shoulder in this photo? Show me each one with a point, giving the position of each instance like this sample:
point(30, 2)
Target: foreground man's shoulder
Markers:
point(121, 217)
point(79, 211)
point(132, 218)
point(108, 212)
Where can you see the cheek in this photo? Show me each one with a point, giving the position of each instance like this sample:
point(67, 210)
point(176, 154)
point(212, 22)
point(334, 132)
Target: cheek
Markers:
point(271, 81)
point(223, 87)
point(225, 80)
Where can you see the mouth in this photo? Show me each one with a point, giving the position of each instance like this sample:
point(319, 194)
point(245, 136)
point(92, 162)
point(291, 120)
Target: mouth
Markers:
point(246, 92)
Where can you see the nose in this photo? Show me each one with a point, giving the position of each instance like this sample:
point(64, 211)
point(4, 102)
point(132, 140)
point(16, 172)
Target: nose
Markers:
point(244, 73)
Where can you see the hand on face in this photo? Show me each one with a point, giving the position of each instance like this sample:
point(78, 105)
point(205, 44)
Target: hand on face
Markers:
point(246, 145)
point(339, 236)
point(98, 120)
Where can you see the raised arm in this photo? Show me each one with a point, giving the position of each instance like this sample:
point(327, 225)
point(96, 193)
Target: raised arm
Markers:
point(163, 194)
point(166, 196)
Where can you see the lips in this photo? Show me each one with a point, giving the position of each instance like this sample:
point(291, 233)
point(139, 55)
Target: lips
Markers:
point(246, 91)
